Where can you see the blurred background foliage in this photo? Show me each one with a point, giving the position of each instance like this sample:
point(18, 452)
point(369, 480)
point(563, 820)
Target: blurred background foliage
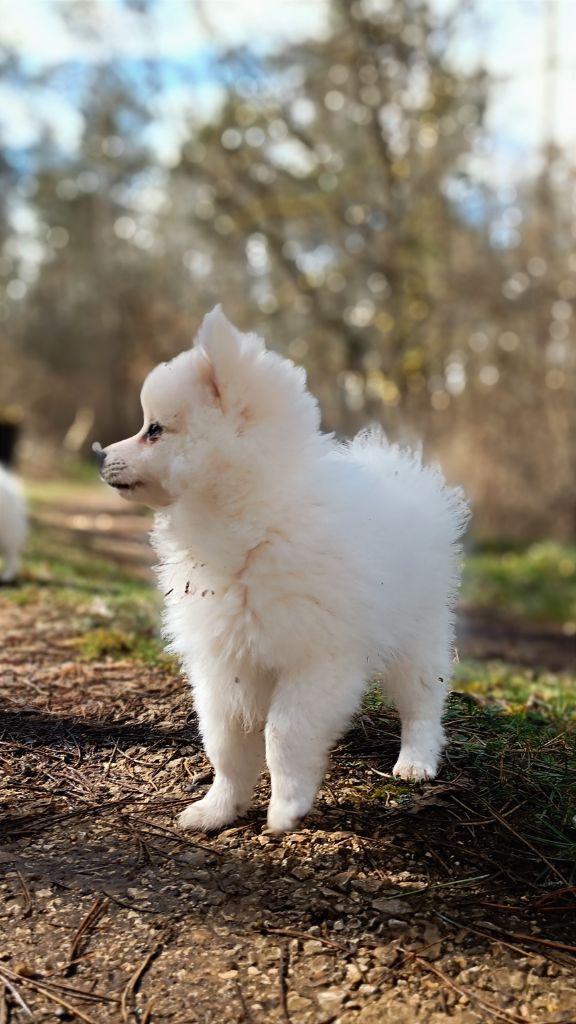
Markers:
point(333, 190)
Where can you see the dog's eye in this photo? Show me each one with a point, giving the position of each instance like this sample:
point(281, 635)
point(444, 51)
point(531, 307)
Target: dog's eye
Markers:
point(154, 431)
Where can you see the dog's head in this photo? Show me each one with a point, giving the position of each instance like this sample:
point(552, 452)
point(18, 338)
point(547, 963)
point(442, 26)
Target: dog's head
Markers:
point(225, 401)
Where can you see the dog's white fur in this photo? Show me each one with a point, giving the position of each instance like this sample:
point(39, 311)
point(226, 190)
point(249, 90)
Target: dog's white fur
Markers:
point(295, 569)
point(12, 524)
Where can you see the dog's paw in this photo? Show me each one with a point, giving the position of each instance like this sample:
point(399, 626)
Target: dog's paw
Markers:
point(416, 768)
point(206, 816)
point(284, 816)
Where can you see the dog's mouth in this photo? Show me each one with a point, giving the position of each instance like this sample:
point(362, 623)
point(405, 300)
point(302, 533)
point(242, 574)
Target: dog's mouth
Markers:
point(118, 485)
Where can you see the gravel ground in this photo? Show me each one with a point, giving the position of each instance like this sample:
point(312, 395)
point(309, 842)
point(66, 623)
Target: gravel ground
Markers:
point(393, 904)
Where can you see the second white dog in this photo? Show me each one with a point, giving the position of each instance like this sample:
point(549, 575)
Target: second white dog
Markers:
point(12, 524)
point(295, 569)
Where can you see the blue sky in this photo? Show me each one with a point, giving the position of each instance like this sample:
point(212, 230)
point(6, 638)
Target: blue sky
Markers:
point(508, 35)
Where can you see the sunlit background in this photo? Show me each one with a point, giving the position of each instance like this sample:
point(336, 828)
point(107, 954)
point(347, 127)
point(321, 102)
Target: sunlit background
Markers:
point(383, 188)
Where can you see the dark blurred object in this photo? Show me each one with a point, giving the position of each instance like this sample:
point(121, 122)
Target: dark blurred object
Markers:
point(10, 424)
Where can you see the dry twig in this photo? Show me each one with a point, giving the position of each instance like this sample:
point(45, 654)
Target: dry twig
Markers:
point(9, 987)
point(94, 914)
point(283, 967)
point(135, 979)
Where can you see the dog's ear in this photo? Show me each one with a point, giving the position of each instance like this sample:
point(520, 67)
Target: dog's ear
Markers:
point(252, 386)
point(225, 357)
point(218, 337)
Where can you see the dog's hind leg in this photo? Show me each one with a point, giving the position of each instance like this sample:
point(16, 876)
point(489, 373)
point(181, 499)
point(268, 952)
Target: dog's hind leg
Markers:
point(307, 714)
point(419, 693)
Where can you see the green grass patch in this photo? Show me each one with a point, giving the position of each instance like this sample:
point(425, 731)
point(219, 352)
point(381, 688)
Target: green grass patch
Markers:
point(61, 492)
point(510, 761)
point(112, 642)
point(517, 688)
point(521, 757)
point(116, 616)
point(52, 558)
point(538, 582)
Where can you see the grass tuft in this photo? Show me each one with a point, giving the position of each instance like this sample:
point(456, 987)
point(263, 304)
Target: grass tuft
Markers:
point(538, 582)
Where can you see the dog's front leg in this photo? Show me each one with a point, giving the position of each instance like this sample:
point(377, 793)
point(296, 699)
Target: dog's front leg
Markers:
point(237, 755)
point(307, 714)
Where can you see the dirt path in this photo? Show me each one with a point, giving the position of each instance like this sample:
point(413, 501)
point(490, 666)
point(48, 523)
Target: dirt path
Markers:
point(392, 905)
point(104, 524)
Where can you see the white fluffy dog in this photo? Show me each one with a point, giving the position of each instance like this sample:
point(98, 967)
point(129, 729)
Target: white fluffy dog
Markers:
point(12, 524)
point(294, 569)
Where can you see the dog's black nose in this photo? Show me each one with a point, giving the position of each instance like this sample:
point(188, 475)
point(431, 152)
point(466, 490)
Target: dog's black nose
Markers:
point(99, 453)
